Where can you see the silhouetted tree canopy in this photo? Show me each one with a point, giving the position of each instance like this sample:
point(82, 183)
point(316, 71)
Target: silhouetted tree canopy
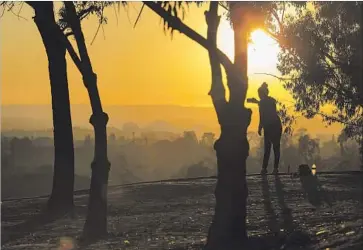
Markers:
point(321, 62)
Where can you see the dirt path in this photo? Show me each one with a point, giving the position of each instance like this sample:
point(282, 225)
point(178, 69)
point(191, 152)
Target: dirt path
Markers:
point(177, 215)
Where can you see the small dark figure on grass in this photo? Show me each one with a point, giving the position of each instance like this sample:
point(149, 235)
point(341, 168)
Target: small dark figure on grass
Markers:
point(271, 124)
point(313, 189)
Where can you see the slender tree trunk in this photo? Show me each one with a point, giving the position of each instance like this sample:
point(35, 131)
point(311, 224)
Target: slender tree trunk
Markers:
point(228, 229)
point(96, 222)
point(63, 177)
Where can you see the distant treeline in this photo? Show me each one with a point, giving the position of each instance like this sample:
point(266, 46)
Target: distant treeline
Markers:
point(162, 155)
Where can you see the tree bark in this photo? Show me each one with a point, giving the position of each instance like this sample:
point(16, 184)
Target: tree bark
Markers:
point(96, 222)
point(63, 177)
point(241, 32)
point(228, 228)
point(217, 91)
point(177, 24)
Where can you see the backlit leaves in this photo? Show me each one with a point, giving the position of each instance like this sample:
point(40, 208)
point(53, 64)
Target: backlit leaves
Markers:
point(85, 9)
point(321, 55)
point(287, 119)
point(175, 9)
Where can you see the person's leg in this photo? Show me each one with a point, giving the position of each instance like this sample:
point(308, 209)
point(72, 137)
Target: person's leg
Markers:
point(267, 151)
point(276, 147)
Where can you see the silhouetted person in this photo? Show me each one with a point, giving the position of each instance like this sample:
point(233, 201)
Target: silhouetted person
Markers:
point(271, 124)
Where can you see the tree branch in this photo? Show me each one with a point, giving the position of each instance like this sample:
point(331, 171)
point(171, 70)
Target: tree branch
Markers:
point(276, 16)
point(138, 17)
point(85, 12)
point(336, 119)
point(177, 24)
point(343, 66)
point(71, 51)
point(275, 76)
point(337, 91)
point(76, 28)
point(62, 38)
point(11, 9)
point(223, 6)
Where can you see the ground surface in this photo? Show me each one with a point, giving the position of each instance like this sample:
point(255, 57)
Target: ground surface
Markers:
point(177, 214)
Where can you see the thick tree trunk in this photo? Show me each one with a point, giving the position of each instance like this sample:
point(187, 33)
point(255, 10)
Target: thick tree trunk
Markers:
point(96, 222)
point(241, 33)
point(228, 229)
point(63, 178)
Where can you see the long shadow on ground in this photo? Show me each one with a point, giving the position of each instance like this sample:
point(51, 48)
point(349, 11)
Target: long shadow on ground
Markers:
point(313, 190)
point(18, 231)
point(270, 213)
point(176, 215)
point(285, 236)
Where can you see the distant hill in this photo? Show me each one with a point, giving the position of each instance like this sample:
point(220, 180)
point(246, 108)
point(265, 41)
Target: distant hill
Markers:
point(154, 117)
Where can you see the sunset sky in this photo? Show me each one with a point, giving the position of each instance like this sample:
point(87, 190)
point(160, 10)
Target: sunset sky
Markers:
point(135, 66)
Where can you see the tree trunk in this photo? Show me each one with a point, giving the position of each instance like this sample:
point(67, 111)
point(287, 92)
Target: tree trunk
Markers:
point(228, 229)
point(96, 222)
point(241, 32)
point(63, 177)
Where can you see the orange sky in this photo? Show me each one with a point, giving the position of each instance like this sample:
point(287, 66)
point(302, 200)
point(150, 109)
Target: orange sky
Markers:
point(141, 66)
point(134, 66)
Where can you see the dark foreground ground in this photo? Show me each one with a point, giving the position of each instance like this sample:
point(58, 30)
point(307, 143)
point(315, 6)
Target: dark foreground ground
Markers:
point(177, 214)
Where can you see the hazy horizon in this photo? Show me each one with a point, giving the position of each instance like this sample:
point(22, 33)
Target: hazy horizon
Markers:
point(161, 79)
point(201, 119)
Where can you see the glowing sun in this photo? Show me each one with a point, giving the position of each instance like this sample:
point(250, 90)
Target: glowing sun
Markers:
point(262, 53)
point(262, 49)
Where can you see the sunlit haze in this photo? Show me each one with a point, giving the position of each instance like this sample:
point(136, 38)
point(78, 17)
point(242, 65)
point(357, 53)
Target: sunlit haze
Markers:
point(135, 66)
point(163, 171)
